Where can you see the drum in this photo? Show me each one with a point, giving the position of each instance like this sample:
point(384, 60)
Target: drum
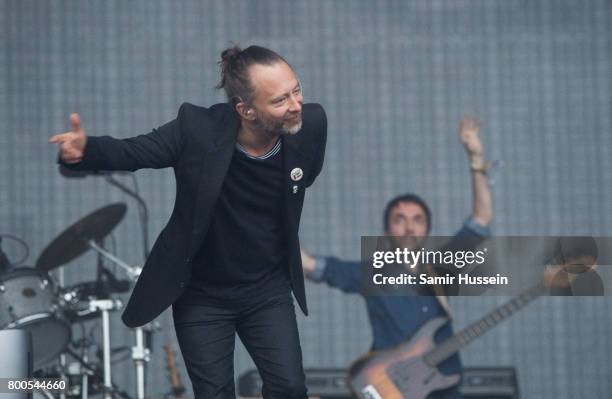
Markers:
point(28, 301)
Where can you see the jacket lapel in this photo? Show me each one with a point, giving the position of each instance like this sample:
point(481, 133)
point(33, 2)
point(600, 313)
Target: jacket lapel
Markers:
point(215, 164)
point(295, 164)
point(293, 161)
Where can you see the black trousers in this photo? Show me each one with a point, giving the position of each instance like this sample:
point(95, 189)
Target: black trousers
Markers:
point(268, 330)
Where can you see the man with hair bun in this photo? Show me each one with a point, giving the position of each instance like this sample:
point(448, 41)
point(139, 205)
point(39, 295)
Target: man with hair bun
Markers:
point(229, 256)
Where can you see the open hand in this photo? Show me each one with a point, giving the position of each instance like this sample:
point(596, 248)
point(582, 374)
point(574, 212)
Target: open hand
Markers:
point(468, 134)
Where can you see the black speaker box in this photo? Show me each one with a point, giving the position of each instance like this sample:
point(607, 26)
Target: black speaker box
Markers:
point(330, 383)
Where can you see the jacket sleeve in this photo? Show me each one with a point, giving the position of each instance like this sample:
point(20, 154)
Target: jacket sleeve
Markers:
point(320, 151)
point(158, 149)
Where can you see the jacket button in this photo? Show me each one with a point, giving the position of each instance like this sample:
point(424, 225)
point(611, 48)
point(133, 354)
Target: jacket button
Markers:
point(182, 284)
point(187, 260)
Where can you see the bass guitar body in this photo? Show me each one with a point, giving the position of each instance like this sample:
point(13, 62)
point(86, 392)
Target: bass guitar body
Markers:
point(402, 372)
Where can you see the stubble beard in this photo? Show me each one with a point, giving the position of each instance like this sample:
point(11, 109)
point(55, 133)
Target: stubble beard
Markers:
point(276, 127)
point(294, 129)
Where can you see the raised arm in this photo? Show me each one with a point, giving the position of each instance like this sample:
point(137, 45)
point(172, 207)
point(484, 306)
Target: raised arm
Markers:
point(482, 209)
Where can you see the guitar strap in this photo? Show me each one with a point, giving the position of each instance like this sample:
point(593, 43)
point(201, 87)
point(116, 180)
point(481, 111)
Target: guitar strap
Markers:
point(439, 293)
point(385, 243)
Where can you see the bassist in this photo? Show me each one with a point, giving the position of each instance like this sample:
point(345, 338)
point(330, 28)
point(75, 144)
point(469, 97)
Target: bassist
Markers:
point(407, 218)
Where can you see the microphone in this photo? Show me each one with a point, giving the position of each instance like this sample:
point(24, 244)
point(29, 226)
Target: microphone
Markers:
point(80, 174)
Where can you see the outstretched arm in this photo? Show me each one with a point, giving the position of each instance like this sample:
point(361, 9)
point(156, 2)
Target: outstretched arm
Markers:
point(158, 149)
point(482, 209)
point(335, 272)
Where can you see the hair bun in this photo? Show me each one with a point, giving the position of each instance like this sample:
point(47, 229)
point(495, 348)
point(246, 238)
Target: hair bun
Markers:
point(234, 65)
point(229, 57)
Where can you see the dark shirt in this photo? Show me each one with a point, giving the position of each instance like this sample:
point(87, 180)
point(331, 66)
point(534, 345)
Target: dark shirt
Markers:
point(243, 256)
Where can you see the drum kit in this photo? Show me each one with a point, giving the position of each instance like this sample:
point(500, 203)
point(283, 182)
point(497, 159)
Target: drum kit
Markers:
point(32, 299)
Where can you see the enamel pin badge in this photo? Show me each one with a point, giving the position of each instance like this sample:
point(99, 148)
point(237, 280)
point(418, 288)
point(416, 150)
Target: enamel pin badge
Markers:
point(297, 174)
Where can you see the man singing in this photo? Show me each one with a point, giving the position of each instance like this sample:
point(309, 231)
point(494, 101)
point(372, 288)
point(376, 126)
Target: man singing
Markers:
point(229, 256)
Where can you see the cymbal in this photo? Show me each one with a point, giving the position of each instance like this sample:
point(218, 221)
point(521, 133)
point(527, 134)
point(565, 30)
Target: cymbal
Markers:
point(73, 241)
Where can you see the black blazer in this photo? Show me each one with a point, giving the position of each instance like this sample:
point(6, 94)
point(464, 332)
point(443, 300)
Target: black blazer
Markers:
point(199, 145)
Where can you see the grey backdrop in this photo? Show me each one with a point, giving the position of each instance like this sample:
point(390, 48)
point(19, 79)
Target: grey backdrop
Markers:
point(394, 77)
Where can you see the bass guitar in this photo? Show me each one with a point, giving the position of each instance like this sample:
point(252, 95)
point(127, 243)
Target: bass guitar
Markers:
point(410, 371)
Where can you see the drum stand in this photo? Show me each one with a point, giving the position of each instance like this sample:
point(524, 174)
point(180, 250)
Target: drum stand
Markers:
point(105, 306)
point(85, 381)
point(63, 359)
point(140, 353)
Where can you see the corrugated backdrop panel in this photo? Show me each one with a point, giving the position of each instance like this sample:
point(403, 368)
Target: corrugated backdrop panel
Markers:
point(394, 77)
